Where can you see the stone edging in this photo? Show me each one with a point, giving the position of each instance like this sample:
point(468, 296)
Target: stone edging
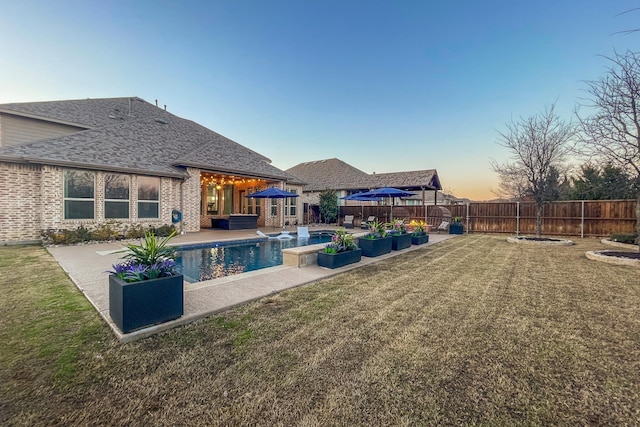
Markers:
point(560, 242)
point(597, 256)
point(618, 244)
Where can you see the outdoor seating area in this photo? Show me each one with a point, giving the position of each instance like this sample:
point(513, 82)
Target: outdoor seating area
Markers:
point(444, 226)
point(235, 222)
point(348, 221)
point(365, 224)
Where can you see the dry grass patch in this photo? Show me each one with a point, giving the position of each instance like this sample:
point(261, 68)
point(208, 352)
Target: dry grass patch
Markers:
point(472, 331)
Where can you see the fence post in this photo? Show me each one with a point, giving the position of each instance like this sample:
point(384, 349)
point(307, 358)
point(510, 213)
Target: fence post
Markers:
point(582, 221)
point(467, 218)
point(517, 219)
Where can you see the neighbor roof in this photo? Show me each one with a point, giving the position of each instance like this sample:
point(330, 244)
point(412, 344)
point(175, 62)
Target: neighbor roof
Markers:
point(334, 174)
point(330, 174)
point(410, 180)
point(131, 135)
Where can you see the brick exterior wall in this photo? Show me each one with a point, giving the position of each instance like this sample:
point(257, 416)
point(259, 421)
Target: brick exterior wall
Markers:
point(191, 201)
point(32, 200)
point(20, 199)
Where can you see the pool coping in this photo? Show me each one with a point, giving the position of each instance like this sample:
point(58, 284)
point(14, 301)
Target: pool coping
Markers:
point(86, 266)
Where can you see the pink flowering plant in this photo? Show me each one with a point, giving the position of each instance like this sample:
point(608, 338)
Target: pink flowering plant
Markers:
point(397, 226)
point(341, 241)
point(377, 230)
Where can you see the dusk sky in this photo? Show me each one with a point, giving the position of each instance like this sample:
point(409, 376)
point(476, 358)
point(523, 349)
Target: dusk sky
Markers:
point(385, 86)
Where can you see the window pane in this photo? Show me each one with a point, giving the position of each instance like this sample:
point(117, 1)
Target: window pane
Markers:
point(147, 210)
point(212, 199)
point(116, 187)
point(78, 209)
point(116, 209)
point(148, 188)
point(78, 184)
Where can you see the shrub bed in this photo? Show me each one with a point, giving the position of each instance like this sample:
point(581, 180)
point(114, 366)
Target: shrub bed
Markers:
point(628, 238)
point(108, 231)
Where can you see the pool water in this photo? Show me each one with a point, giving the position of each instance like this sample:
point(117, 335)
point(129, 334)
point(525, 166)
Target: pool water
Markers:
point(199, 262)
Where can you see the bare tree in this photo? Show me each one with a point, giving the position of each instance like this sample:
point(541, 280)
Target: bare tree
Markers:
point(612, 132)
point(539, 146)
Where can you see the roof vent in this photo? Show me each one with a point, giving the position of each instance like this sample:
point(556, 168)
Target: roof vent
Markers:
point(164, 122)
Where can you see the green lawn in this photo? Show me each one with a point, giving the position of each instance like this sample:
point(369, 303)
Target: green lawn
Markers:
point(471, 331)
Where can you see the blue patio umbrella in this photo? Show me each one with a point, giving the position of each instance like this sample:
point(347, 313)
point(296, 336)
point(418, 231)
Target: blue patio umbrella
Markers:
point(387, 192)
point(360, 198)
point(273, 193)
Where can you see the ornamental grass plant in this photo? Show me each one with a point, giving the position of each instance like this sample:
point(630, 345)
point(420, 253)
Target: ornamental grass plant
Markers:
point(149, 260)
point(397, 226)
point(419, 228)
point(377, 230)
point(341, 241)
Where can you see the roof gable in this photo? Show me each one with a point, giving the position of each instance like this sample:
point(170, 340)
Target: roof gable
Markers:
point(410, 180)
point(87, 113)
point(329, 174)
point(147, 140)
point(334, 174)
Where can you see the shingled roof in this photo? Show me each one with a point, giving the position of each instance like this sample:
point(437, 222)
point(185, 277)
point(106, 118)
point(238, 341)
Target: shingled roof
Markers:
point(410, 180)
point(334, 174)
point(131, 135)
point(330, 174)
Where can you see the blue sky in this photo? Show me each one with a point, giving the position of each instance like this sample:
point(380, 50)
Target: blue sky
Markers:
point(383, 85)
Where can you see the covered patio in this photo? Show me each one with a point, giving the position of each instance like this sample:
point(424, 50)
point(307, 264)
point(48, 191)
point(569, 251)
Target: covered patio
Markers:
point(224, 203)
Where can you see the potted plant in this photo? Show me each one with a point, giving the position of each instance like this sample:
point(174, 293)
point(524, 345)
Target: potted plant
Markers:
point(375, 242)
point(419, 235)
point(456, 225)
point(340, 252)
point(146, 288)
point(400, 239)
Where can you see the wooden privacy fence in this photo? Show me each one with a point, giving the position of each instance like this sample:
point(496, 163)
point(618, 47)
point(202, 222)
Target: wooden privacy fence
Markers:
point(585, 218)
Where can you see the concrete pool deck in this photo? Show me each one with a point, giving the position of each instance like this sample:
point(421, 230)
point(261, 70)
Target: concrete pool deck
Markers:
point(86, 266)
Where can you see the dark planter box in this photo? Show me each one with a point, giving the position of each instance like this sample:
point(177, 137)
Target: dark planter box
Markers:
point(340, 259)
point(420, 239)
point(455, 229)
point(400, 241)
point(375, 247)
point(139, 304)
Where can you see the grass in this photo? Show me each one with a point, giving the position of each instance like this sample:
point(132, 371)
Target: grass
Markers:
point(472, 331)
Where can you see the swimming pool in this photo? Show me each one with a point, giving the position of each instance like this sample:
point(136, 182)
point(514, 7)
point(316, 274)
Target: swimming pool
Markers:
point(214, 260)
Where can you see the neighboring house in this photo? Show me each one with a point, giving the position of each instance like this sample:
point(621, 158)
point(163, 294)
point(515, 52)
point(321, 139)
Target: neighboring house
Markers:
point(83, 162)
point(336, 175)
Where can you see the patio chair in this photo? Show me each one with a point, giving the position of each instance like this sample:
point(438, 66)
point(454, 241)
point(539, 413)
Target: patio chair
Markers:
point(365, 224)
point(303, 233)
point(348, 221)
point(444, 226)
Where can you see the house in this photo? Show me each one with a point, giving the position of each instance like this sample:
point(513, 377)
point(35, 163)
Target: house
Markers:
point(335, 174)
point(84, 162)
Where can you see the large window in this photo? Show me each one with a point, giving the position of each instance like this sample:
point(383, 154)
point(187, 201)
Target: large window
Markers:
point(79, 194)
point(148, 197)
point(274, 207)
point(116, 196)
point(292, 203)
